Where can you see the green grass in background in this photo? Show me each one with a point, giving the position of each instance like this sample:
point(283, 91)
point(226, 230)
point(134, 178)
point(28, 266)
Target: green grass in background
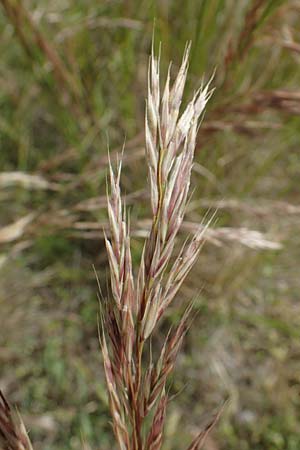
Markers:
point(73, 80)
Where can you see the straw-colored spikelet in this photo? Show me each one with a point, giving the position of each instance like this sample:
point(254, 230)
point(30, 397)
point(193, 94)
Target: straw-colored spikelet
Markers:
point(136, 386)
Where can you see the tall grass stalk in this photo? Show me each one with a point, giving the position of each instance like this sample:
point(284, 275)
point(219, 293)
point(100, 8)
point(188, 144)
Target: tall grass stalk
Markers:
point(136, 382)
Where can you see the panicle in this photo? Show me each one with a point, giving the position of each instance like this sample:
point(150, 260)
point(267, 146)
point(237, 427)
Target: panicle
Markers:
point(135, 309)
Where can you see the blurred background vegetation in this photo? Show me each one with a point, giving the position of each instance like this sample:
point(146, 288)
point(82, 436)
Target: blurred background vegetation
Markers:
point(73, 82)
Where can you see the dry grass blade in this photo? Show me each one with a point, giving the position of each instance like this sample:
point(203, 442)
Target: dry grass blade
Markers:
point(249, 238)
point(259, 208)
point(26, 180)
point(13, 435)
point(15, 230)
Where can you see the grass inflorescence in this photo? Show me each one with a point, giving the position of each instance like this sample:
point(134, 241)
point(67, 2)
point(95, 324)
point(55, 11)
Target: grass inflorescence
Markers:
point(137, 387)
